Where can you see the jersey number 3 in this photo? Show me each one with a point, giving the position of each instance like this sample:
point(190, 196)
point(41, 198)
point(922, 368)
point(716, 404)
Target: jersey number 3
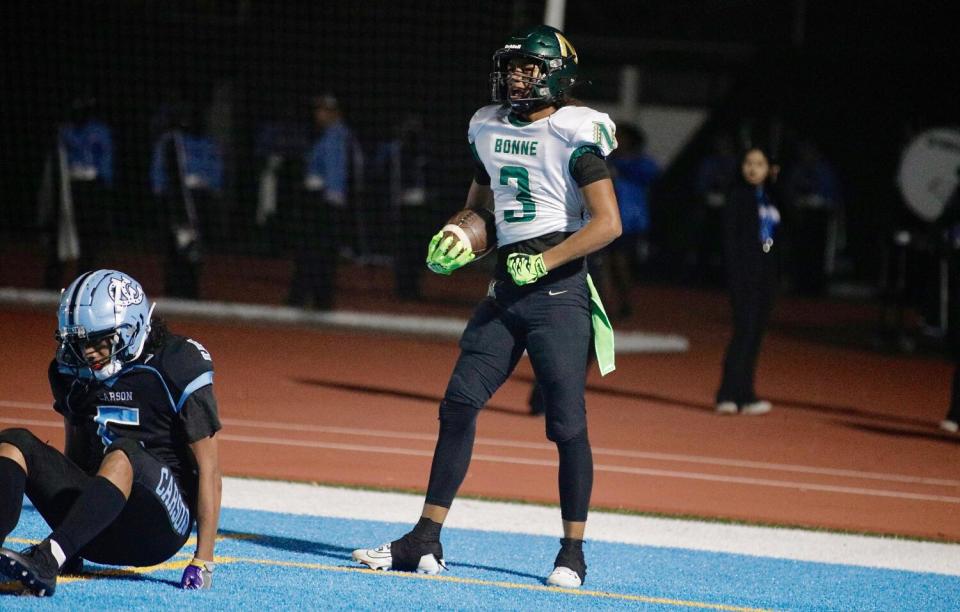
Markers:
point(114, 414)
point(517, 176)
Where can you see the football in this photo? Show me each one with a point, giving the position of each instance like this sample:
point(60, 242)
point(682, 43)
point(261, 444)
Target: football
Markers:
point(474, 227)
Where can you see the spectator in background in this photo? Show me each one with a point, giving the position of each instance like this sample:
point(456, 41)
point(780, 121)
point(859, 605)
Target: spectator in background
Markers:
point(405, 157)
point(751, 248)
point(279, 151)
point(949, 222)
point(76, 190)
point(633, 173)
point(186, 177)
point(812, 192)
point(715, 176)
point(321, 215)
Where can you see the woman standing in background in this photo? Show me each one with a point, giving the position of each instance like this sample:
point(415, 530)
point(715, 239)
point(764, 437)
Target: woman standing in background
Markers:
point(751, 253)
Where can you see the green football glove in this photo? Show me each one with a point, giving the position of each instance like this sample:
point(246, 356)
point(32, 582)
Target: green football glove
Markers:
point(444, 255)
point(526, 269)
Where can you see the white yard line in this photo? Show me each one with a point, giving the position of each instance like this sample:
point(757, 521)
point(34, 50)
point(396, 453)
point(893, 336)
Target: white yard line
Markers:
point(795, 544)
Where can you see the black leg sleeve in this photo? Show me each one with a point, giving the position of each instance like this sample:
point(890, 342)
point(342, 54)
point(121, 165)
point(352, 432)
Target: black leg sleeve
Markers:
point(13, 483)
point(52, 481)
point(451, 458)
point(97, 507)
point(575, 477)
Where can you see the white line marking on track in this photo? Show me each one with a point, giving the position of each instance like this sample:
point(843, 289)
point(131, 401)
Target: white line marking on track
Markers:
point(597, 451)
point(392, 450)
point(599, 467)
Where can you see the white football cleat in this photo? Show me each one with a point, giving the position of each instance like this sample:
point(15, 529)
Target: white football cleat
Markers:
point(380, 558)
point(564, 577)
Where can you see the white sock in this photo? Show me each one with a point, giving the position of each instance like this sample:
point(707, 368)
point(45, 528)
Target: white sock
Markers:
point(57, 553)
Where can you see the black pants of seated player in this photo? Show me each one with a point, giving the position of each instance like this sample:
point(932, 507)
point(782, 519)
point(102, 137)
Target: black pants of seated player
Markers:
point(145, 533)
point(751, 298)
point(552, 322)
point(314, 235)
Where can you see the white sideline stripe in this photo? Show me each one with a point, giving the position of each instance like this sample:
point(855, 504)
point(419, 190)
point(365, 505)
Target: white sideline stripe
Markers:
point(444, 327)
point(794, 544)
point(680, 458)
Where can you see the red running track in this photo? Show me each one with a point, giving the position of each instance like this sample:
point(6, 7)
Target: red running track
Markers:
point(852, 443)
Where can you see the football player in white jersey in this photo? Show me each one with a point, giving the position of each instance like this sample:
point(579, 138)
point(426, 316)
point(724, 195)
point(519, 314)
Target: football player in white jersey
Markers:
point(540, 167)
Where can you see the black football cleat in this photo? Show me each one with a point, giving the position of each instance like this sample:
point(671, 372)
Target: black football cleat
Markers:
point(34, 567)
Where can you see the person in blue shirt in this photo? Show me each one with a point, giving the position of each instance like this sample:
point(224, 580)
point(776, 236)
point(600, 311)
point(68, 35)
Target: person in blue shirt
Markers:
point(75, 204)
point(186, 177)
point(322, 213)
point(633, 174)
point(751, 243)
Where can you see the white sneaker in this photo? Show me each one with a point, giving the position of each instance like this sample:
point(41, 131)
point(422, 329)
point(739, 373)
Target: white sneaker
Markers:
point(948, 425)
point(380, 558)
point(564, 577)
point(726, 408)
point(757, 407)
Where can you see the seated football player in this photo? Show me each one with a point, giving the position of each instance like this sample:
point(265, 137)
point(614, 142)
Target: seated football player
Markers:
point(140, 464)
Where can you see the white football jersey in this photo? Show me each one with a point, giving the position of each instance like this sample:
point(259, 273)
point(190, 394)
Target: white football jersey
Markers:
point(529, 166)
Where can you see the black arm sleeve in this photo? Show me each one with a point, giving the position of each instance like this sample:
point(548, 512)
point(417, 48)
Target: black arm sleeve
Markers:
point(480, 175)
point(199, 415)
point(589, 168)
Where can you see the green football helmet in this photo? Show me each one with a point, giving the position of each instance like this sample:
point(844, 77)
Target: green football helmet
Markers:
point(555, 58)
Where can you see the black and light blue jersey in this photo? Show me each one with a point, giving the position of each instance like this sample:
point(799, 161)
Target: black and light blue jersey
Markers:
point(164, 401)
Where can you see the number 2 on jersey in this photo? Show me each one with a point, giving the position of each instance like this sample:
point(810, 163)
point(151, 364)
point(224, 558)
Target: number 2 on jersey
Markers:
point(114, 414)
point(521, 180)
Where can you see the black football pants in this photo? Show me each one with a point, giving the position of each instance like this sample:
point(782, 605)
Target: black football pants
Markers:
point(549, 319)
point(154, 523)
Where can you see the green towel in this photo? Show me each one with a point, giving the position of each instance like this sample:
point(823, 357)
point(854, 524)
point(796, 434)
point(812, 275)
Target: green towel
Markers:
point(602, 331)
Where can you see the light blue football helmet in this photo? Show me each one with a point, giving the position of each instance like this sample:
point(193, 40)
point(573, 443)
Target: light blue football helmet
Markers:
point(105, 304)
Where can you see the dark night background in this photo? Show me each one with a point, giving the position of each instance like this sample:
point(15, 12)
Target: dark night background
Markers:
point(858, 78)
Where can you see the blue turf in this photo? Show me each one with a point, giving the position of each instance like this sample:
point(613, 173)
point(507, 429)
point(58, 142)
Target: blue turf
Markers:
point(683, 577)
